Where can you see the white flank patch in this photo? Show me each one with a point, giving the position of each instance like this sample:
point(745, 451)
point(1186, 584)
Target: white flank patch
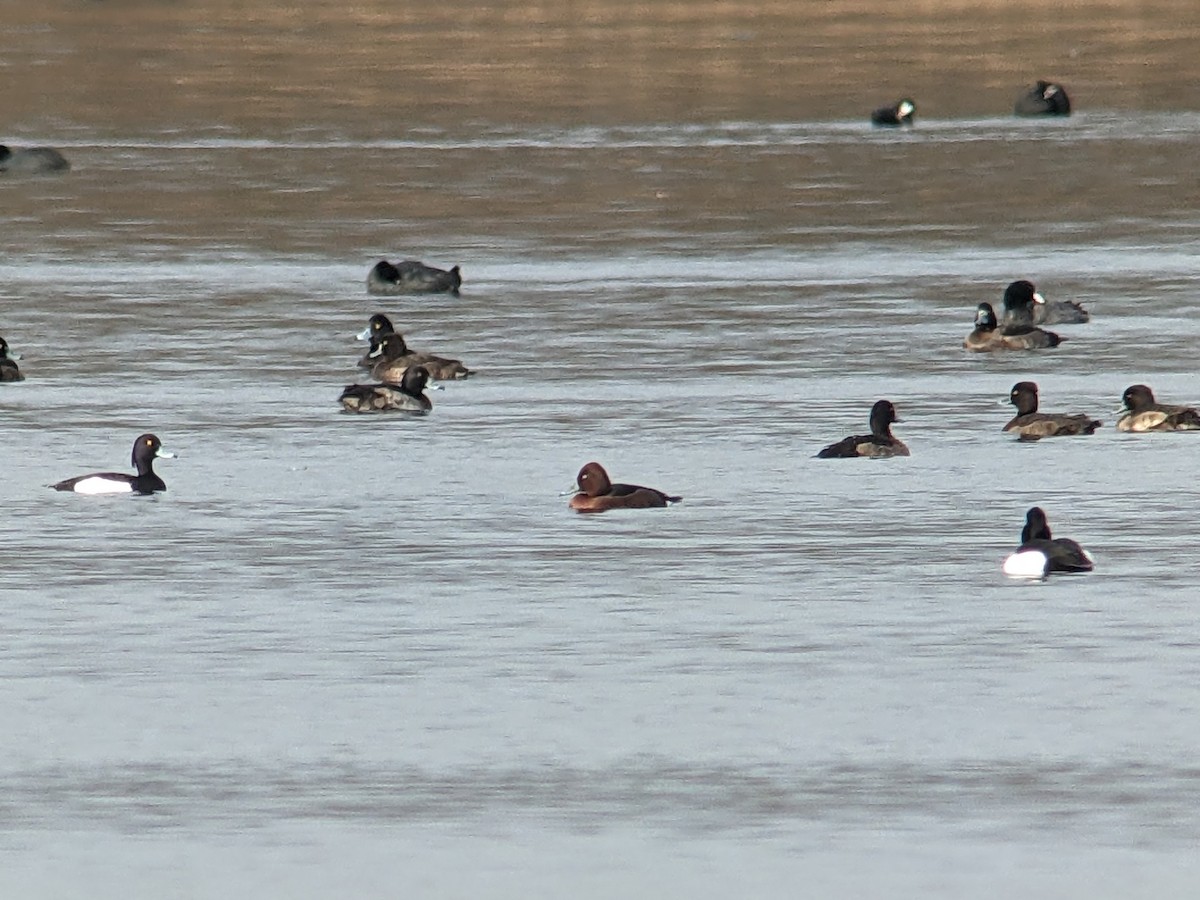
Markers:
point(1030, 564)
point(102, 486)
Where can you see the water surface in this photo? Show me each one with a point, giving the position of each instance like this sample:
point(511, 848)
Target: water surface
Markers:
point(377, 655)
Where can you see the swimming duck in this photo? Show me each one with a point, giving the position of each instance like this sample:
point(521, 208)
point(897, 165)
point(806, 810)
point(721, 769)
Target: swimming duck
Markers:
point(1143, 413)
point(880, 442)
point(1040, 554)
point(145, 449)
point(8, 365)
point(597, 494)
point(1023, 305)
point(411, 276)
point(392, 357)
point(1032, 425)
point(987, 336)
point(378, 327)
point(1044, 99)
point(899, 113)
point(31, 161)
point(407, 396)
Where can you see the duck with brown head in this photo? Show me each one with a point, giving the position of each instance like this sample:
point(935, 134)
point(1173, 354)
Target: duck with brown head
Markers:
point(1143, 413)
point(879, 443)
point(1031, 425)
point(596, 493)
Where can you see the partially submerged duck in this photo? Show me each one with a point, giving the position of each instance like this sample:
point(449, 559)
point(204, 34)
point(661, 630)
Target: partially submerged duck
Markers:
point(1144, 413)
point(879, 443)
point(596, 493)
point(1031, 425)
point(145, 450)
point(407, 396)
point(1046, 98)
point(1040, 554)
point(988, 336)
point(902, 112)
point(411, 276)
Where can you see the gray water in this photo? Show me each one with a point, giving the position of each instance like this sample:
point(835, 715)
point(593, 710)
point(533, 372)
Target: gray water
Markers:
point(378, 656)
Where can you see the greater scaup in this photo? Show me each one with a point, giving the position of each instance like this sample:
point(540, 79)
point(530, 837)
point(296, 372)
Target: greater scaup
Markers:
point(1023, 305)
point(1044, 99)
point(902, 112)
point(411, 276)
point(378, 327)
point(32, 160)
point(393, 357)
point(1143, 413)
point(407, 396)
point(8, 365)
point(145, 449)
point(1032, 425)
point(987, 336)
point(597, 494)
point(1040, 554)
point(879, 443)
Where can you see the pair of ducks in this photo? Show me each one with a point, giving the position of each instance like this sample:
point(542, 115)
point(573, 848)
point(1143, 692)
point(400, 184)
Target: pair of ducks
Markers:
point(1141, 413)
point(403, 374)
point(1024, 310)
point(1039, 554)
point(1046, 98)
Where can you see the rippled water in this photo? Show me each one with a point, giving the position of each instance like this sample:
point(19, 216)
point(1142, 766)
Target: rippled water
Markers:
point(379, 656)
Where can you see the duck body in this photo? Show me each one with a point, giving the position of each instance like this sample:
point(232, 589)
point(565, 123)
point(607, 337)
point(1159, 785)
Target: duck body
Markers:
point(8, 365)
point(989, 337)
point(145, 450)
point(1040, 553)
point(1022, 306)
point(1046, 98)
point(880, 443)
point(1031, 425)
point(411, 276)
point(32, 161)
point(596, 493)
point(902, 112)
point(1143, 413)
point(392, 357)
point(407, 396)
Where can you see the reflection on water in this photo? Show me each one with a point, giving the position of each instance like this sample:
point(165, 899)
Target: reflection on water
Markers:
point(685, 255)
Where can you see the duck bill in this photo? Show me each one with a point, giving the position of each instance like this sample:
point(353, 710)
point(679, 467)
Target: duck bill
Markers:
point(1038, 298)
point(165, 454)
point(364, 335)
